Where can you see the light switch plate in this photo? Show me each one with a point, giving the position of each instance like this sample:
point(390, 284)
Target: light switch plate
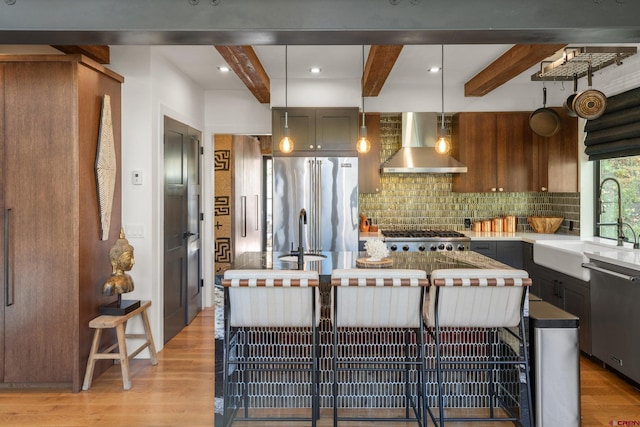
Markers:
point(134, 230)
point(136, 177)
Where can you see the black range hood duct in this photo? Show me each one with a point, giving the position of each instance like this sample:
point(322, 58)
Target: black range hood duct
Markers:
point(418, 154)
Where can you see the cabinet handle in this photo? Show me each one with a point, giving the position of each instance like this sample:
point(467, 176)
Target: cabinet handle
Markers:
point(319, 147)
point(543, 189)
point(311, 146)
point(8, 273)
point(493, 189)
point(500, 189)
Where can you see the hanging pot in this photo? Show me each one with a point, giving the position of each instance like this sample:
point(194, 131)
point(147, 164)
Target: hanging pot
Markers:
point(568, 104)
point(591, 103)
point(545, 121)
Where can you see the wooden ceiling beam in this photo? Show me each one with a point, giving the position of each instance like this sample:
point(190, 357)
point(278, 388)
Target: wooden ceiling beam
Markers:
point(379, 64)
point(245, 63)
point(100, 54)
point(512, 63)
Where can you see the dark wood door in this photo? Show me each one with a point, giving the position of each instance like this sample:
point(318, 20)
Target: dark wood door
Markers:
point(182, 297)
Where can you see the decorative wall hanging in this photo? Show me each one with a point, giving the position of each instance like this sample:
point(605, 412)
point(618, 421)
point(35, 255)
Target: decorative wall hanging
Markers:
point(106, 167)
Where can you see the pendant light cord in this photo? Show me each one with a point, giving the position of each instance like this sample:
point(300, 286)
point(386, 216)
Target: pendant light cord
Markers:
point(362, 85)
point(286, 67)
point(442, 82)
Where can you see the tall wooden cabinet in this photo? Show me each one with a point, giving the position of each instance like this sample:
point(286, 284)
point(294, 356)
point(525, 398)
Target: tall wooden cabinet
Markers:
point(52, 261)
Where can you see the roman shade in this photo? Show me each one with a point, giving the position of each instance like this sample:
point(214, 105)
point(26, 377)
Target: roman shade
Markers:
point(617, 132)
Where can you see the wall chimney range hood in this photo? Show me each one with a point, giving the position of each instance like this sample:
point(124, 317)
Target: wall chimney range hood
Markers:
point(418, 154)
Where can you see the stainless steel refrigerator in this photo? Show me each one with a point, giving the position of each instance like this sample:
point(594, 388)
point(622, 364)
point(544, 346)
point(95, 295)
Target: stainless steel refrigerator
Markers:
point(327, 188)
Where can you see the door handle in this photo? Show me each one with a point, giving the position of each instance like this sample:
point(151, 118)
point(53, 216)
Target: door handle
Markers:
point(187, 234)
point(8, 272)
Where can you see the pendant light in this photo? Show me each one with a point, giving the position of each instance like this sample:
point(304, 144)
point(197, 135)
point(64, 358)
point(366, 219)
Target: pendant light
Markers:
point(286, 144)
point(363, 145)
point(443, 145)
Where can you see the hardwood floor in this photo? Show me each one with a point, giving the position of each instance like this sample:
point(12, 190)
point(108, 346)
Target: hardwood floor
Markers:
point(179, 392)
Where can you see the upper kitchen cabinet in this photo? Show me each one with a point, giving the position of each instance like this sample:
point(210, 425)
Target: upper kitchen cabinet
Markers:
point(52, 259)
point(555, 158)
point(496, 147)
point(317, 131)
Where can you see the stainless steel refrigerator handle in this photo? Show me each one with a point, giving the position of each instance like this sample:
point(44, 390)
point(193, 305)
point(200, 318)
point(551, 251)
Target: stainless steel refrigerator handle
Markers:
point(310, 223)
point(612, 273)
point(8, 274)
point(319, 208)
point(243, 215)
point(257, 211)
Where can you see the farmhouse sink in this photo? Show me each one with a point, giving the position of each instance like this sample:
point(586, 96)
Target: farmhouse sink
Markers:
point(306, 257)
point(567, 256)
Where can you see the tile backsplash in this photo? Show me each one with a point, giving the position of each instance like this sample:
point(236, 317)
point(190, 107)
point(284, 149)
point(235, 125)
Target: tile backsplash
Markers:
point(426, 201)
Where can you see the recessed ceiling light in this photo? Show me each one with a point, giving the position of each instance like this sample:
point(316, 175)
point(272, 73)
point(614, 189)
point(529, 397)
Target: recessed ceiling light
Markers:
point(315, 70)
point(434, 69)
point(223, 69)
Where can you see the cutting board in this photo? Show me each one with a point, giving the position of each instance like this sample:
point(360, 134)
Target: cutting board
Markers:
point(366, 263)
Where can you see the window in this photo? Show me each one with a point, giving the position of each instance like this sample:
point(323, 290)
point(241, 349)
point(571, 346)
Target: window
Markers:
point(626, 171)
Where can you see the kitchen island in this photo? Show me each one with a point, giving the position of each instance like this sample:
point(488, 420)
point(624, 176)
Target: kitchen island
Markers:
point(426, 261)
point(384, 388)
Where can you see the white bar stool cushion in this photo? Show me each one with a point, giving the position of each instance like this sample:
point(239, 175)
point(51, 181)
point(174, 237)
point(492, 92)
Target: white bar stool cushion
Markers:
point(272, 298)
point(378, 297)
point(476, 297)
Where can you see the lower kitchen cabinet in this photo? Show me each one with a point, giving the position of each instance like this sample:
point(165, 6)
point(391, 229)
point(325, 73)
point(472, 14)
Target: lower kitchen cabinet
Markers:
point(508, 252)
point(565, 292)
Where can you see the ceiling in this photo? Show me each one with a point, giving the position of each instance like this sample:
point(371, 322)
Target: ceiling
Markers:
point(337, 62)
point(345, 62)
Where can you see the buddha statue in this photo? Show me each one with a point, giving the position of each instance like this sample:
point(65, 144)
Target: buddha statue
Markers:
point(121, 255)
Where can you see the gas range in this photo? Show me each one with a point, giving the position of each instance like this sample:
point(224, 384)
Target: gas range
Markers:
point(425, 240)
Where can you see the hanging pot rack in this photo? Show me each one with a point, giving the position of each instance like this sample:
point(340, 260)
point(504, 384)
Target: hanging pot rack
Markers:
point(576, 60)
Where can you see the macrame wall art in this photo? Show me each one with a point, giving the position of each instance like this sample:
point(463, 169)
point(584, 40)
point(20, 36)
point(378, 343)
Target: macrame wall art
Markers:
point(106, 167)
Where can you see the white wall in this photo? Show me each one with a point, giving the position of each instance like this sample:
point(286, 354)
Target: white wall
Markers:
point(153, 88)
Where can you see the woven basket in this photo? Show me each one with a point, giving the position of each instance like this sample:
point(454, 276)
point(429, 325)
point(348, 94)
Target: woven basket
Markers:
point(545, 224)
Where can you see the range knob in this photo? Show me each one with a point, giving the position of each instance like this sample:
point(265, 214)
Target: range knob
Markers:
point(441, 246)
point(461, 247)
point(421, 248)
point(405, 248)
point(449, 247)
point(433, 247)
point(393, 247)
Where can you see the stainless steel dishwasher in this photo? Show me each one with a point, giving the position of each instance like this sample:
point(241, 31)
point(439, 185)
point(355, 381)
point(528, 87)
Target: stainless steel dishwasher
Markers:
point(615, 318)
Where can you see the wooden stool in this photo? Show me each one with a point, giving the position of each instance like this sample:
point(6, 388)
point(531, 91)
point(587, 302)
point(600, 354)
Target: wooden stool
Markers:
point(120, 323)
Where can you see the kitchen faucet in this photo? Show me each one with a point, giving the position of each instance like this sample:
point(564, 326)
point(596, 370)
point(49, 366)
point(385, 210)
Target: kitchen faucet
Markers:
point(302, 219)
point(619, 222)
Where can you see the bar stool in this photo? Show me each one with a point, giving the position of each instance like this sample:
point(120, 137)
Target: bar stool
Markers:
point(380, 304)
point(271, 319)
point(488, 305)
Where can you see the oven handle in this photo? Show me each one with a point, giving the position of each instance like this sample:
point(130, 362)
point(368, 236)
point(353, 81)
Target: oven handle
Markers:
point(591, 266)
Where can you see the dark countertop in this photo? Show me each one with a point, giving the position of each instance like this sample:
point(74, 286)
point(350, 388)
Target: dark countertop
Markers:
point(426, 261)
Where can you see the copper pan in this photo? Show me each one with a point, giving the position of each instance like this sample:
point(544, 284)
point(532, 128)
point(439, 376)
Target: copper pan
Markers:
point(568, 104)
point(545, 121)
point(591, 103)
